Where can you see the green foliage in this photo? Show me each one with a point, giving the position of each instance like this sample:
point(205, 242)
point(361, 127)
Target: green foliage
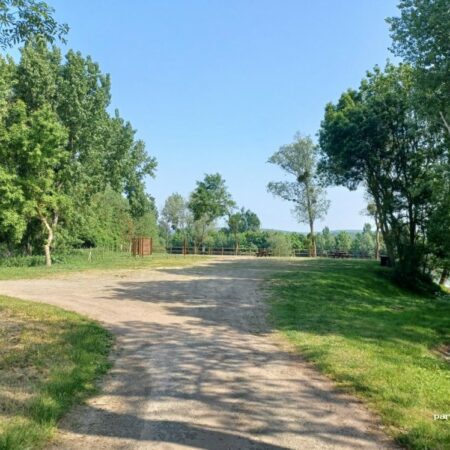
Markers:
point(343, 241)
point(279, 244)
point(326, 242)
point(21, 20)
point(242, 221)
point(373, 136)
point(62, 155)
point(174, 212)
point(299, 241)
point(375, 339)
point(421, 36)
point(211, 199)
point(299, 160)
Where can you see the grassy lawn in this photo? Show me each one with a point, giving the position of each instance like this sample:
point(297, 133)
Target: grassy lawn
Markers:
point(49, 360)
point(98, 260)
point(377, 341)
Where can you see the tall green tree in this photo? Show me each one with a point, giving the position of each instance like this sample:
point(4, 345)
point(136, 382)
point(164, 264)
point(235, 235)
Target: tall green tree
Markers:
point(373, 137)
point(33, 147)
point(421, 36)
point(99, 152)
point(299, 160)
point(438, 227)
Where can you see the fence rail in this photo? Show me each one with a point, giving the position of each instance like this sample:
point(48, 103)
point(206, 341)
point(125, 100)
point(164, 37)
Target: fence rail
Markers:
point(227, 251)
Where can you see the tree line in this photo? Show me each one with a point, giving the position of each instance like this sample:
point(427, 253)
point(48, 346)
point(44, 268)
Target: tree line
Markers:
point(192, 223)
point(71, 173)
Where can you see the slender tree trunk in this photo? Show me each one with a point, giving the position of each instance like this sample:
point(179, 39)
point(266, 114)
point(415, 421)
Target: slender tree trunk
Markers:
point(49, 240)
point(445, 122)
point(377, 244)
point(377, 237)
point(444, 276)
point(313, 249)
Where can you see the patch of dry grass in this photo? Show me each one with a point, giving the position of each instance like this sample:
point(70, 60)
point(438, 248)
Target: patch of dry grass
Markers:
point(49, 360)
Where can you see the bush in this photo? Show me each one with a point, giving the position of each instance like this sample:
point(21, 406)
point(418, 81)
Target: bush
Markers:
point(22, 261)
point(280, 244)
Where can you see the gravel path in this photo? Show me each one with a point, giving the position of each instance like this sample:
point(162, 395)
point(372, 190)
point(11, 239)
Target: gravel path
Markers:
point(196, 366)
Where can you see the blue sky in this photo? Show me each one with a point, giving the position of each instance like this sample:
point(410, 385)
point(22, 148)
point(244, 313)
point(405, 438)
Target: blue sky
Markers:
point(218, 86)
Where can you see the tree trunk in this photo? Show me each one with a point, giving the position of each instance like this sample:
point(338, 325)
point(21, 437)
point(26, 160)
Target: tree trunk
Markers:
point(444, 121)
point(444, 276)
point(313, 249)
point(49, 240)
point(377, 244)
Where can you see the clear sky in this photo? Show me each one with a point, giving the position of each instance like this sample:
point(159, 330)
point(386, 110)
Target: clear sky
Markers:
point(219, 85)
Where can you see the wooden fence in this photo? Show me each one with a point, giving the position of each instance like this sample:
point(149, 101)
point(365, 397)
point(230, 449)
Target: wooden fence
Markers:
point(224, 251)
point(141, 246)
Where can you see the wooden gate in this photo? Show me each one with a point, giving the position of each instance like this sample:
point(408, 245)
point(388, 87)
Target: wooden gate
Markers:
point(141, 246)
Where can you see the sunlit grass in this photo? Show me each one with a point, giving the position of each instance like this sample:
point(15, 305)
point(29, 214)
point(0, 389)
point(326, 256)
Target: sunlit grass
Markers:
point(376, 340)
point(49, 361)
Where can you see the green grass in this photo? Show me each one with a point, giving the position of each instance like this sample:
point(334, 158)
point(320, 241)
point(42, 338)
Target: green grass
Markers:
point(49, 361)
point(99, 260)
point(376, 340)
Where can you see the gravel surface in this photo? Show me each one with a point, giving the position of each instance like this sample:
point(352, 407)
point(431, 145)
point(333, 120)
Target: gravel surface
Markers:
point(197, 367)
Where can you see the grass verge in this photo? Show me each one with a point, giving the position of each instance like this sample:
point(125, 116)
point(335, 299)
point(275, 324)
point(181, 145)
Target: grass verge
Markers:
point(380, 342)
point(49, 361)
point(97, 260)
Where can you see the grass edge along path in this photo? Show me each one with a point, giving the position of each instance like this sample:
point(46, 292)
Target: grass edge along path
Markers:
point(374, 339)
point(98, 260)
point(50, 360)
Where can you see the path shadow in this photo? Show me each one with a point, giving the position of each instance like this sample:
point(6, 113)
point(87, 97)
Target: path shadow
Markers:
point(208, 380)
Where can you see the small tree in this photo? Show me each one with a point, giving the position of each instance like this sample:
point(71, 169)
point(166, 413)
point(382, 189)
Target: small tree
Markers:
point(280, 244)
point(241, 222)
point(209, 201)
point(299, 159)
point(343, 241)
point(174, 211)
point(175, 216)
point(235, 224)
point(327, 240)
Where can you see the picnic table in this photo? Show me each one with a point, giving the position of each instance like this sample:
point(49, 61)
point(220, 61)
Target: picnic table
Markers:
point(341, 255)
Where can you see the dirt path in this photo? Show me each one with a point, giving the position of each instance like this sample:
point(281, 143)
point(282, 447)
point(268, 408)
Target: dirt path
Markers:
point(196, 366)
